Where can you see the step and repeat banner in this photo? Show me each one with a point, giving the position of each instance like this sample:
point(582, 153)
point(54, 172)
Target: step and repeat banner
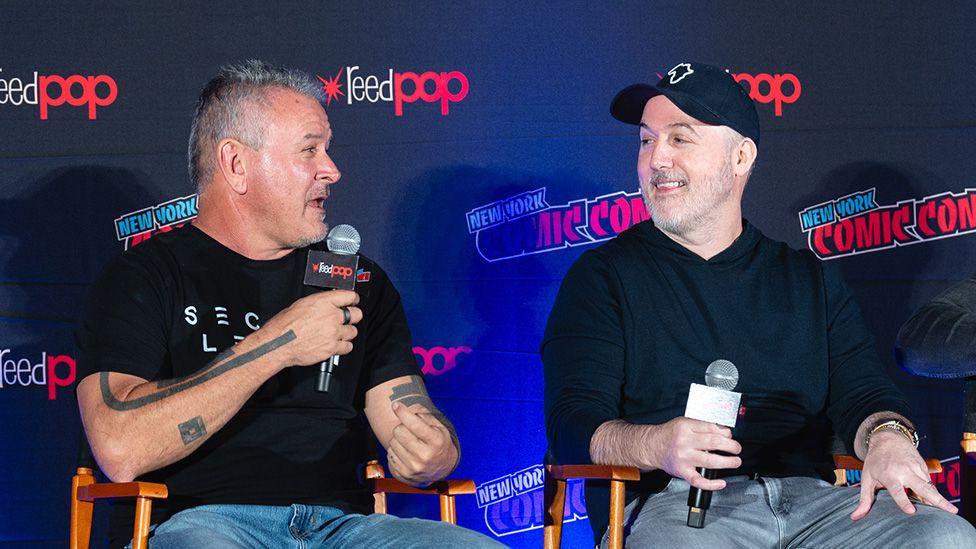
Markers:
point(479, 160)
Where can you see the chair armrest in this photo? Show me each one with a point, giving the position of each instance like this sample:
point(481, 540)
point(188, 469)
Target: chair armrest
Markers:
point(597, 472)
point(122, 490)
point(968, 443)
point(443, 487)
point(843, 461)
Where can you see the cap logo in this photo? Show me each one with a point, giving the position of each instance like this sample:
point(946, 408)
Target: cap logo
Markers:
point(679, 72)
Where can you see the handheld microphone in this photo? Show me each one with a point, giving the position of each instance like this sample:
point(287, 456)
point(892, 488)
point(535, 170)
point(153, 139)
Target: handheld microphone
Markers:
point(335, 269)
point(715, 403)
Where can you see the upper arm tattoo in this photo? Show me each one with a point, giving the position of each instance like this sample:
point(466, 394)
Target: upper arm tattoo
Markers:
point(224, 363)
point(413, 392)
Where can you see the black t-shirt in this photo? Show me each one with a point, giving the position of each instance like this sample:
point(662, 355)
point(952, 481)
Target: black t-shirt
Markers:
point(169, 306)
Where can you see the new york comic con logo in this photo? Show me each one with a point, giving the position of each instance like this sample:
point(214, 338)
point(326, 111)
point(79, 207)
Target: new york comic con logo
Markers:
point(135, 227)
point(348, 84)
point(51, 91)
point(515, 502)
point(855, 223)
point(527, 224)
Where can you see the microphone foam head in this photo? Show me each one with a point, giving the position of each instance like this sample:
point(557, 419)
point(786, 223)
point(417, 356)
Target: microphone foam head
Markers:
point(343, 239)
point(722, 374)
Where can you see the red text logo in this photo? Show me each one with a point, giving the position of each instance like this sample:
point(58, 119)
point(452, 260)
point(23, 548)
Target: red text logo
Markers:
point(52, 91)
point(87, 88)
point(437, 360)
point(440, 92)
point(772, 88)
point(334, 270)
point(399, 88)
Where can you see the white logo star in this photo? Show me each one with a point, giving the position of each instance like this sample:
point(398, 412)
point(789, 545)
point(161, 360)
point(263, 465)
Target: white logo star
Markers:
point(680, 71)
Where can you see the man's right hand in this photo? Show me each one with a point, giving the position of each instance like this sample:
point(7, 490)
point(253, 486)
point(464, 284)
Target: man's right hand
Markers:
point(682, 445)
point(316, 321)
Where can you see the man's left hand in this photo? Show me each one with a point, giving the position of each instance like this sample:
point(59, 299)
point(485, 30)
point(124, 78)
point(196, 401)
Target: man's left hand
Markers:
point(421, 450)
point(892, 463)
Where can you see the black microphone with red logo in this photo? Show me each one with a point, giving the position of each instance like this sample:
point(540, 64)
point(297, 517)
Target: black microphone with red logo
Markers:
point(333, 270)
point(715, 403)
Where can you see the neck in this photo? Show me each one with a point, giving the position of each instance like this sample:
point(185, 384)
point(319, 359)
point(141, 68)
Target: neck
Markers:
point(712, 236)
point(222, 219)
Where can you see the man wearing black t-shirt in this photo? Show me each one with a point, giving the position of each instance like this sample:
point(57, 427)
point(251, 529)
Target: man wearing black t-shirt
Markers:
point(196, 346)
point(638, 319)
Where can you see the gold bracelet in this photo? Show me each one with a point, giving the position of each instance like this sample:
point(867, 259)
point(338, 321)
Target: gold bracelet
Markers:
point(893, 425)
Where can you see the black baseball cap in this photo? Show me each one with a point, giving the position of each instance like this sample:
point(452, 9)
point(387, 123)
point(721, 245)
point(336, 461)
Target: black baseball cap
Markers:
point(701, 91)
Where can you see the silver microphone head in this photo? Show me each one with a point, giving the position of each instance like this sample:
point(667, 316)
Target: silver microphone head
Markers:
point(344, 240)
point(722, 374)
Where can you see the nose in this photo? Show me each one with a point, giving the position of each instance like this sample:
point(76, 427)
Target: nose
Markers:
point(328, 171)
point(661, 156)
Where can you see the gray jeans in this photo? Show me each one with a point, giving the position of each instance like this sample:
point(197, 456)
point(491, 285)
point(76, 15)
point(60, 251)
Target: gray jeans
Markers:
point(793, 512)
point(305, 527)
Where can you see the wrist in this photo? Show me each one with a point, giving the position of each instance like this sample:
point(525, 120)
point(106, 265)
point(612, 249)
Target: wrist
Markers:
point(891, 429)
point(652, 457)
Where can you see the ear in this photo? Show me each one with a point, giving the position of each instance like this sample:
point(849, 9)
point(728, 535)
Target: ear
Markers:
point(744, 157)
point(232, 164)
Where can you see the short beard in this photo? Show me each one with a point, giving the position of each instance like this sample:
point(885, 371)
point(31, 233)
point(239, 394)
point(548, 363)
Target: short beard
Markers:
point(717, 189)
point(314, 239)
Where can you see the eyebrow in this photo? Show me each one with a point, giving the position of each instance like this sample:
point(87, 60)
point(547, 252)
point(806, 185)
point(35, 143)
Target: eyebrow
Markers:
point(316, 137)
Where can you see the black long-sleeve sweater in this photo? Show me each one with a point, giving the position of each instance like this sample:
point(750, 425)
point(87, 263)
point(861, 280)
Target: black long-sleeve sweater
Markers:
point(638, 320)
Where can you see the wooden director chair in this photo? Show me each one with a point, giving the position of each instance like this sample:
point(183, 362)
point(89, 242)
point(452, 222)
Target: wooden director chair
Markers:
point(617, 475)
point(85, 491)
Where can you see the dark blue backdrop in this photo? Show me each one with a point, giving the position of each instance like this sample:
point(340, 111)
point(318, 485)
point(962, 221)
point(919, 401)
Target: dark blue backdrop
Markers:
point(884, 102)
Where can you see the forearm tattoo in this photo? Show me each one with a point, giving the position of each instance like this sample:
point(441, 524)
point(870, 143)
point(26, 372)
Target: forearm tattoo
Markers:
point(224, 363)
point(413, 392)
point(192, 429)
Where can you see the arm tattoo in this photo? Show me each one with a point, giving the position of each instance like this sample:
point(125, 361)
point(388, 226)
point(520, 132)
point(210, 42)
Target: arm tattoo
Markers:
point(216, 367)
point(192, 429)
point(413, 392)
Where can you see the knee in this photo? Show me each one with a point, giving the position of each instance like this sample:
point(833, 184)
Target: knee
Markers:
point(940, 529)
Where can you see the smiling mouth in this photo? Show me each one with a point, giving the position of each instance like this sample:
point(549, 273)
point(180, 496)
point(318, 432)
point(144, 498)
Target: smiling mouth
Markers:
point(667, 185)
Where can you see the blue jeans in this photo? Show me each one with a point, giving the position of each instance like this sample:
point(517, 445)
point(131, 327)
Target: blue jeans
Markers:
point(300, 526)
point(792, 512)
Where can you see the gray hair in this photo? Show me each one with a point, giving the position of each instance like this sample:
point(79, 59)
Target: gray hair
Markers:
point(733, 139)
point(226, 109)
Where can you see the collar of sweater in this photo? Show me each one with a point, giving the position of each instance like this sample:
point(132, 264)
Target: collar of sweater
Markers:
point(739, 249)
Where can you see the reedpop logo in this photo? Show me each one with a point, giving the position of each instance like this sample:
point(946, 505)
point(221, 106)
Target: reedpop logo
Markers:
point(396, 87)
point(438, 360)
point(768, 88)
point(47, 91)
point(24, 372)
point(763, 88)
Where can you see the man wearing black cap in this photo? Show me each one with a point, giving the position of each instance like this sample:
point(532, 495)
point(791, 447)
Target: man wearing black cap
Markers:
point(638, 319)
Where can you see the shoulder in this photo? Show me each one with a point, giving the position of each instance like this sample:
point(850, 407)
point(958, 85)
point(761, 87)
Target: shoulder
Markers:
point(792, 259)
point(154, 263)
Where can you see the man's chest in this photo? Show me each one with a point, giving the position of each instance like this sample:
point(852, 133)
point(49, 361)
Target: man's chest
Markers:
point(212, 311)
